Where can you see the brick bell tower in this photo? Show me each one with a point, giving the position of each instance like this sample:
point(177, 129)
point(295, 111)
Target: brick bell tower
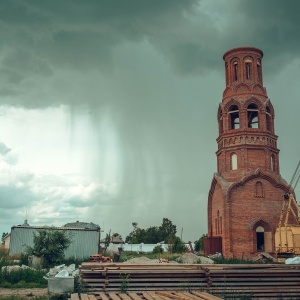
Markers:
point(245, 198)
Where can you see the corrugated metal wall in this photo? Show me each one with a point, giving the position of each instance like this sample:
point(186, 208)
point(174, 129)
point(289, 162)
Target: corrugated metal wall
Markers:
point(85, 242)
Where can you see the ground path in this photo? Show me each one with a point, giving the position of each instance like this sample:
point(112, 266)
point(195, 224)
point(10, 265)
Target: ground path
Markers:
point(24, 292)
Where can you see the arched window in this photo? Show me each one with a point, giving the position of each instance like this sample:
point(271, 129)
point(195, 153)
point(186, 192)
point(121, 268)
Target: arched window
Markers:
point(268, 119)
point(252, 113)
point(248, 67)
point(216, 224)
point(258, 70)
point(248, 71)
point(233, 161)
point(235, 71)
point(234, 117)
point(259, 193)
point(272, 162)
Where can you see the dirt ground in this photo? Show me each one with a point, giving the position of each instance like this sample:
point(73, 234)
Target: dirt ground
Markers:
point(24, 292)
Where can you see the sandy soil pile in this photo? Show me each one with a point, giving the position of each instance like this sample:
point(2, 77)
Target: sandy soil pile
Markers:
point(191, 258)
point(186, 258)
point(141, 260)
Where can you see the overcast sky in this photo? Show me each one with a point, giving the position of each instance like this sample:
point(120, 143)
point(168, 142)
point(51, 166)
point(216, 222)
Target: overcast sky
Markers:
point(108, 108)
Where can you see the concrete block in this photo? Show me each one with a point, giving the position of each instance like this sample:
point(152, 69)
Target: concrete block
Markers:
point(59, 285)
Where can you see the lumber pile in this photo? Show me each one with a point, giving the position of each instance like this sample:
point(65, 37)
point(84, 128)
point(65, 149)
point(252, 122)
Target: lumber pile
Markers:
point(145, 296)
point(265, 280)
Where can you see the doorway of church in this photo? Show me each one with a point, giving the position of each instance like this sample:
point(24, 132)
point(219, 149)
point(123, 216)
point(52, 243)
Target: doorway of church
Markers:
point(260, 239)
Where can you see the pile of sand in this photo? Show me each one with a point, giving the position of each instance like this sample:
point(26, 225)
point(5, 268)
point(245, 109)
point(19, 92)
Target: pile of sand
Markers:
point(191, 258)
point(186, 258)
point(141, 260)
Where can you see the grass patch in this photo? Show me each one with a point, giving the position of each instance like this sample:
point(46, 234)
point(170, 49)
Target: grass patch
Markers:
point(235, 261)
point(126, 255)
point(24, 278)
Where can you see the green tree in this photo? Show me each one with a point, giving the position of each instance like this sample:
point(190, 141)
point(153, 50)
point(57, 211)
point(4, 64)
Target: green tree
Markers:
point(167, 230)
point(158, 249)
point(4, 234)
point(178, 245)
point(153, 234)
point(199, 244)
point(117, 235)
point(107, 241)
point(50, 245)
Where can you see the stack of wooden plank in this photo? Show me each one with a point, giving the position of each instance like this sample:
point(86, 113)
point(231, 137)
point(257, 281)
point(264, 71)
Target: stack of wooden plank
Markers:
point(265, 280)
point(145, 296)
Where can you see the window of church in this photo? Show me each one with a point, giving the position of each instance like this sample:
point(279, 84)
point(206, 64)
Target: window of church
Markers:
point(258, 70)
point(235, 71)
point(248, 71)
point(216, 224)
point(234, 117)
point(272, 162)
point(234, 165)
point(252, 113)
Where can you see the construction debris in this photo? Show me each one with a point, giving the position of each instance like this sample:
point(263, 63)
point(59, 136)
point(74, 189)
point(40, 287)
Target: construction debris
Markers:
point(264, 257)
point(69, 270)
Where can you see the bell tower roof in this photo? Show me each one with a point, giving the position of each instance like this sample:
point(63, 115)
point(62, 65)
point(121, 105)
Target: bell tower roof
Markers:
point(246, 49)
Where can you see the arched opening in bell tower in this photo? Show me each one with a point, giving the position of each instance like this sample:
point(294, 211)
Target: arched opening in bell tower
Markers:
point(234, 117)
point(252, 113)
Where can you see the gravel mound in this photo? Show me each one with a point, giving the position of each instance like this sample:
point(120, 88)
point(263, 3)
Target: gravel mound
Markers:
point(186, 258)
point(191, 258)
point(141, 260)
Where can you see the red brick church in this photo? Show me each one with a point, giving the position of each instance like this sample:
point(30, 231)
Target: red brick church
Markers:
point(245, 197)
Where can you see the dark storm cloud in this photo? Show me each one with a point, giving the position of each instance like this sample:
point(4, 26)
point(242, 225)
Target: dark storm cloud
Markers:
point(273, 26)
point(82, 33)
point(38, 38)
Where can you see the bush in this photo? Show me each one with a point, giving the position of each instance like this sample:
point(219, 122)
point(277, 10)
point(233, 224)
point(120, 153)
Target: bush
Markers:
point(199, 244)
point(177, 246)
point(50, 245)
point(158, 249)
